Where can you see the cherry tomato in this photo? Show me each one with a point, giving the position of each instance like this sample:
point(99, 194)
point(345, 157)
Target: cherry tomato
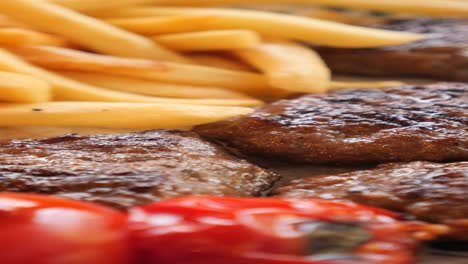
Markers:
point(213, 230)
point(45, 230)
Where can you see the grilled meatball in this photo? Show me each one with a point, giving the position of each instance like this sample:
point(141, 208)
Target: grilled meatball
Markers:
point(433, 192)
point(127, 169)
point(405, 123)
point(441, 55)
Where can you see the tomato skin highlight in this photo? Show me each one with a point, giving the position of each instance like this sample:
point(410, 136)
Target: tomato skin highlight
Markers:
point(38, 229)
point(212, 230)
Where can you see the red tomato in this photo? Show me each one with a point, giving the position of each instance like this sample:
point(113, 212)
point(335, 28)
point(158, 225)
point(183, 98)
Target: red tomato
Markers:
point(214, 230)
point(45, 230)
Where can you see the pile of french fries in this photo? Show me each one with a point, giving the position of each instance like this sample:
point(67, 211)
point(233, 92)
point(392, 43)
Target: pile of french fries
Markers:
point(144, 64)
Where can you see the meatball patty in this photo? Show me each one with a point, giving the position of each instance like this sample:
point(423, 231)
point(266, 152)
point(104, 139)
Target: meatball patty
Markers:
point(433, 192)
point(127, 169)
point(406, 123)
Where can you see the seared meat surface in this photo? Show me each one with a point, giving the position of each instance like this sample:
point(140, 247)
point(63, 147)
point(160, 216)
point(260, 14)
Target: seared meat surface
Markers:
point(433, 192)
point(443, 54)
point(127, 169)
point(406, 123)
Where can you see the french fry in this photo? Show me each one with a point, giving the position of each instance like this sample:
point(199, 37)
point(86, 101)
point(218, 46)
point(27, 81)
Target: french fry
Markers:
point(65, 89)
point(67, 59)
point(114, 115)
point(213, 40)
point(284, 26)
point(86, 5)
point(352, 18)
point(418, 7)
point(86, 31)
point(152, 88)
point(165, 24)
point(289, 66)
point(371, 85)
point(7, 22)
point(219, 61)
point(22, 88)
point(22, 36)
point(48, 132)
